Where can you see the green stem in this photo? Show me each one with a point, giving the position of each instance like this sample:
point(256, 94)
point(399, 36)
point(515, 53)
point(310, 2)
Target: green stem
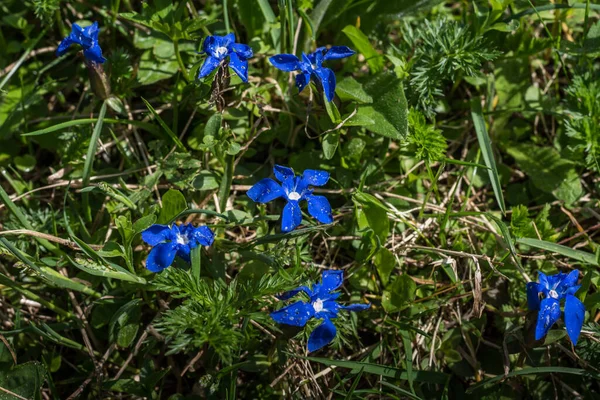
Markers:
point(226, 16)
point(180, 61)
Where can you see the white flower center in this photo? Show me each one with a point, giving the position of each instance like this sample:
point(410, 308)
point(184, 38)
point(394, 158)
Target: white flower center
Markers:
point(552, 293)
point(221, 51)
point(294, 196)
point(181, 239)
point(318, 305)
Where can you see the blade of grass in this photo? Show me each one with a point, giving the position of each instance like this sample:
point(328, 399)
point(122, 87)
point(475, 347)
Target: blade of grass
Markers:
point(89, 161)
point(578, 255)
point(534, 371)
point(383, 370)
point(164, 125)
point(87, 121)
point(21, 59)
point(14, 210)
point(269, 15)
point(486, 150)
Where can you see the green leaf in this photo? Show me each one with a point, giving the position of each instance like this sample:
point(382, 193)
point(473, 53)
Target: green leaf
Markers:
point(486, 150)
point(383, 370)
point(25, 380)
point(173, 204)
point(108, 270)
point(578, 255)
point(77, 122)
point(90, 156)
point(375, 213)
point(124, 324)
point(332, 111)
point(399, 294)
point(385, 262)
point(25, 163)
point(330, 144)
point(164, 125)
point(363, 45)
point(389, 109)
point(534, 371)
point(548, 171)
point(349, 89)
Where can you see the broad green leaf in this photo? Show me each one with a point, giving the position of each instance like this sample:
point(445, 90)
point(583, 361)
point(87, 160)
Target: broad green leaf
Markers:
point(375, 213)
point(349, 89)
point(25, 380)
point(385, 262)
point(124, 324)
point(330, 144)
point(485, 144)
point(173, 204)
point(548, 171)
point(399, 293)
point(363, 45)
point(389, 109)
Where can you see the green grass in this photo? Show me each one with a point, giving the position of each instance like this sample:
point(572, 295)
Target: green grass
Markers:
point(463, 152)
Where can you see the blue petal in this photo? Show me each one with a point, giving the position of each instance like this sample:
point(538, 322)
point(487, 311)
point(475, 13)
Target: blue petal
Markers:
point(331, 309)
point(533, 298)
point(184, 251)
point(574, 315)
point(94, 53)
point(568, 281)
point(227, 40)
point(321, 336)
point(265, 190)
point(240, 66)
point(282, 173)
point(210, 64)
point(64, 46)
point(290, 184)
point(572, 290)
point(356, 307)
point(80, 36)
point(306, 65)
point(204, 235)
point(243, 50)
point(302, 80)
point(317, 57)
point(285, 62)
point(319, 208)
point(291, 216)
point(292, 293)
point(337, 52)
point(209, 45)
point(161, 256)
point(156, 234)
point(315, 177)
point(544, 284)
point(330, 280)
point(327, 79)
point(547, 316)
point(296, 314)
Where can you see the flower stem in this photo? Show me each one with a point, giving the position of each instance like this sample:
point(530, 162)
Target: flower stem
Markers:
point(180, 61)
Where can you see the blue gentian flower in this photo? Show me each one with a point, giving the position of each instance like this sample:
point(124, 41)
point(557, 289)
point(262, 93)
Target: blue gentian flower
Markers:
point(177, 240)
point(86, 38)
point(294, 189)
point(552, 289)
point(311, 66)
point(220, 47)
point(322, 305)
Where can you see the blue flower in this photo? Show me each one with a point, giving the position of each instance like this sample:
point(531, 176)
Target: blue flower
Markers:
point(322, 305)
point(311, 66)
point(86, 38)
point(167, 242)
point(294, 189)
point(220, 47)
point(552, 289)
